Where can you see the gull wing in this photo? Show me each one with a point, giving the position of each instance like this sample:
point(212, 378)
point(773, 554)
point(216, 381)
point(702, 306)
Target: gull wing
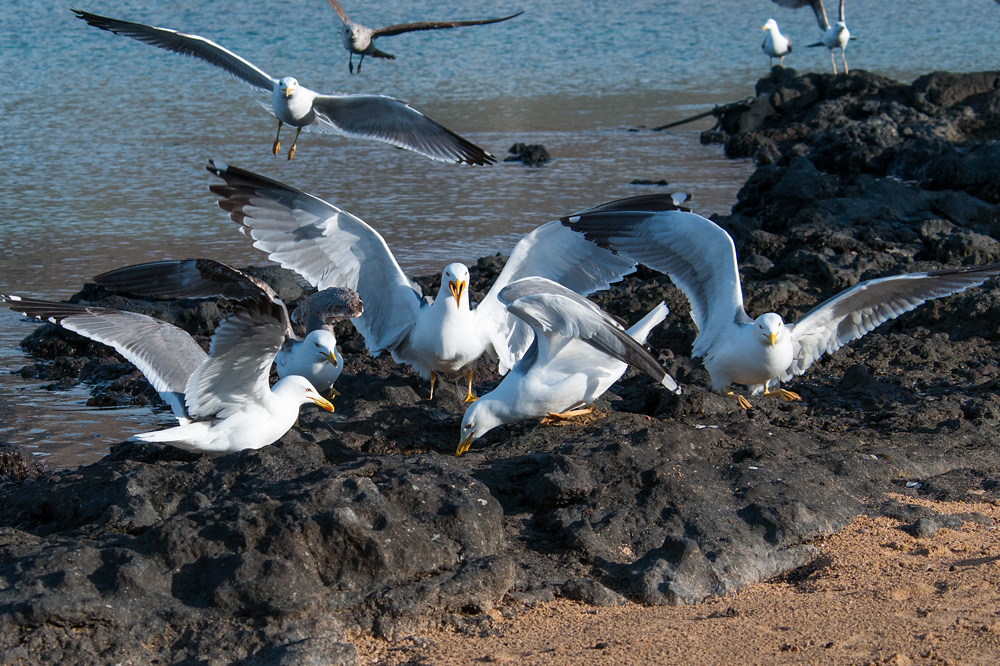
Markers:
point(555, 252)
point(697, 254)
point(236, 373)
point(818, 9)
point(392, 121)
point(400, 28)
point(165, 354)
point(858, 310)
point(326, 307)
point(190, 45)
point(340, 10)
point(551, 309)
point(327, 246)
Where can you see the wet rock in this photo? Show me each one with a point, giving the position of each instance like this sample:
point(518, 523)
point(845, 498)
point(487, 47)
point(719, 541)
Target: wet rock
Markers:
point(531, 154)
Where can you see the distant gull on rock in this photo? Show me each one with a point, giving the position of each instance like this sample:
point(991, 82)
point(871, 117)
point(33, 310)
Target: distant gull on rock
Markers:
point(578, 352)
point(222, 399)
point(359, 39)
point(330, 247)
point(375, 117)
point(311, 352)
point(775, 45)
point(700, 258)
point(834, 36)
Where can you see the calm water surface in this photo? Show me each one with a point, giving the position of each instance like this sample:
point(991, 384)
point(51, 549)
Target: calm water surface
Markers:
point(105, 139)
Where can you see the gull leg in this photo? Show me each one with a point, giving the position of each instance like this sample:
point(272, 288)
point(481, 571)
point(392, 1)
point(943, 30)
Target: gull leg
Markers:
point(291, 151)
point(843, 56)
point(744, 403)
point(433, 379)
point(833, 62)
point(350, 62)
point(277, 144)
point(469, 397)
point(561, 418)
point(787, 396)
point(360, 60)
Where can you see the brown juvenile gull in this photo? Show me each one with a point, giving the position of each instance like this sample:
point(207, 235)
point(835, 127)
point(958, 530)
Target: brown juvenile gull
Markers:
point(359, 39)
point(374, 117)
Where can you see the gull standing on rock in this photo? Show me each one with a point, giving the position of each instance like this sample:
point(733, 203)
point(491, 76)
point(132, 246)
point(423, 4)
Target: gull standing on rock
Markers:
point(359, 39)
point(578, 352)
point(374, 117)
point(700, 258)
point(834, 36)
point(330, 247)
point(221, 399)
point(775, 45)
point(310, 352)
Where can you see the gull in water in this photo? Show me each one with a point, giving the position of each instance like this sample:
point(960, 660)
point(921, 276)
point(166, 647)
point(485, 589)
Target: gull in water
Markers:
point(578, 352)
point(330, 247)
point(700, 258)
point(311, 351)
point(359, 39)
point(221, 399)
point(835, 36)
point(375, 117)
point(775, 45)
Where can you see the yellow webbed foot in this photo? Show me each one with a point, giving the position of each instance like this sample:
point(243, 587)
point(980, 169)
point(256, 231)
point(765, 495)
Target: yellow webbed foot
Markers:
point(744, 403)
point(583, 415)
point(788, 396)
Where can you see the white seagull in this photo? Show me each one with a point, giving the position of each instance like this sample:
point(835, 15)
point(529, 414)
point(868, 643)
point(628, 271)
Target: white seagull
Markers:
point(700, 258)
point(834, 36)
point(359, 39)
point(375, 117)
point(310, 351)
point(775, 45)
point(578, 352)
point(330, 247)
point(221, 399)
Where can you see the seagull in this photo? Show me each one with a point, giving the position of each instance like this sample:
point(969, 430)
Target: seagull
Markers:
point(329, 247)
point(775, 45)
point(834, 36)
point(312, 355)
point(375, 117)
point(578, 352)
point(358, 38)
point(221, 399)
point(700, 258)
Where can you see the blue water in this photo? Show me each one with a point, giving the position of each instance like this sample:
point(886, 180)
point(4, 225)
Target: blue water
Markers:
point(105, 139)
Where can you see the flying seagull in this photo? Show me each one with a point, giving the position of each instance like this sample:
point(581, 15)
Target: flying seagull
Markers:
point(834, 36)
point(375, 117)
point(578, 352)
point(310, 352)
point(221, 399)
point(775, 45)
point(700, 258)
point(329, 247)
point(359, 39)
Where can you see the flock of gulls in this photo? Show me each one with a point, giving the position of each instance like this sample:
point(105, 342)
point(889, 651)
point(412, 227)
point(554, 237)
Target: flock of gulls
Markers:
point(558, 352)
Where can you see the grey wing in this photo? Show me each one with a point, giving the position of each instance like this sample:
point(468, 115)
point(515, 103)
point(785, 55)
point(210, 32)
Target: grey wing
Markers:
point(550, 308)
point(237, 370)
point(327, 246)
point(340, 10)
point(326, 307)
point(857, 311)
point(165, 354)
point(697, 254)
point(386, 119)
point(190, 45)
point(400, 28)
point(188, 278)
point(555, 252)
point(818, 9)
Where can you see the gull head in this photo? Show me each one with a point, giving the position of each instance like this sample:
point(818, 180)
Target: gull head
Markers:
point(479, 419)
point(299, 389)
point(771, 25)
point(456, 278)
point(288, 85)
point(769, 327)
point(322, 343)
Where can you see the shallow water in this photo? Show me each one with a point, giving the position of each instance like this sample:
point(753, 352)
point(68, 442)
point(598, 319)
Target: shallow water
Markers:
point(105, 139)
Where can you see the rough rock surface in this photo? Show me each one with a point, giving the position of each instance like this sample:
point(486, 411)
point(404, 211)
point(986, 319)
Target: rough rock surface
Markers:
point(363, 520)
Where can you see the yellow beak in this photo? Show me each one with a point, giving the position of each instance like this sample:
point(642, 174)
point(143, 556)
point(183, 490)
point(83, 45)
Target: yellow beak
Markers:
point(330, 357)
point(456, 290)
point(764, 28)
point(324, 403)
point(289, 90)
point(464, 446)
point(772, 337)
